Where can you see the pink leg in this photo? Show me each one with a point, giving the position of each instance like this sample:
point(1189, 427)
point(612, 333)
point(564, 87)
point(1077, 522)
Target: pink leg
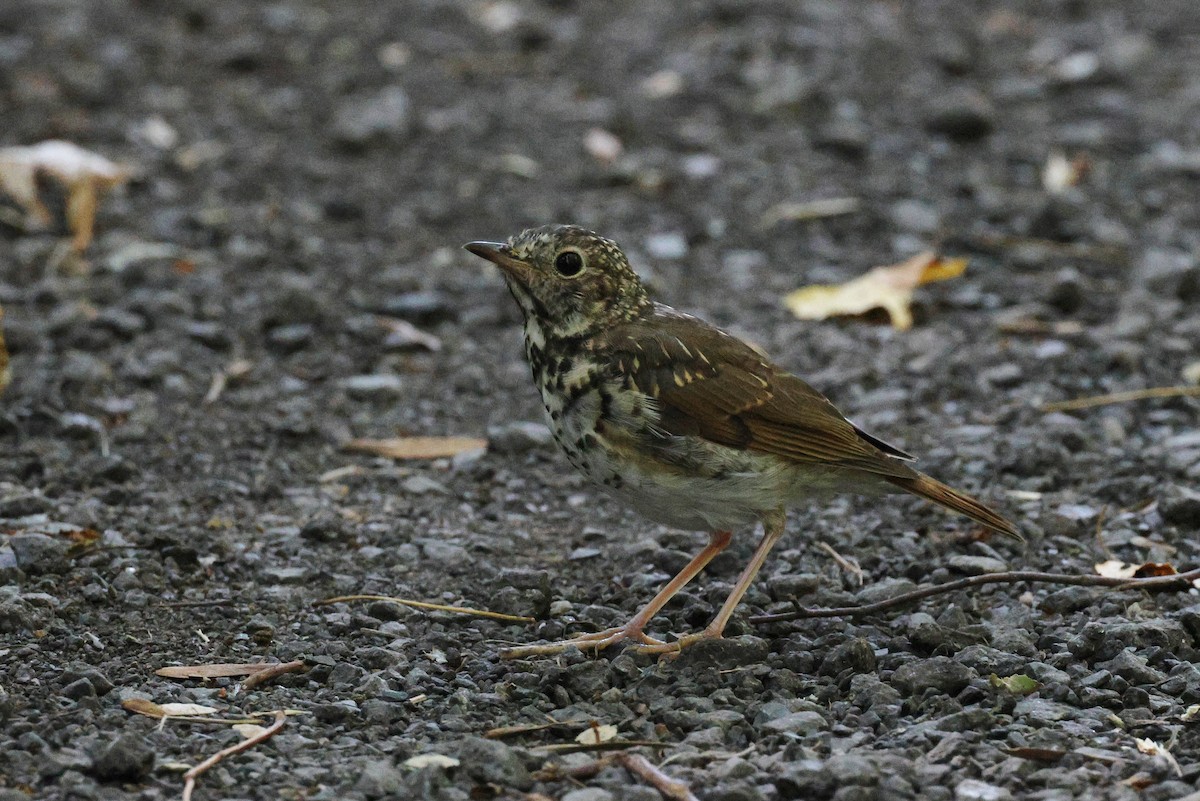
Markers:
point(635, 628)
point(773, 526)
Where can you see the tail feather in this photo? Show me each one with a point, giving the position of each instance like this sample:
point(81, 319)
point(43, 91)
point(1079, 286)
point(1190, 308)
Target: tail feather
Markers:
point(933, 490)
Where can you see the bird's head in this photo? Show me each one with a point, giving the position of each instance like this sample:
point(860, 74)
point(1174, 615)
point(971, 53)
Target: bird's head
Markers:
point(568, 280)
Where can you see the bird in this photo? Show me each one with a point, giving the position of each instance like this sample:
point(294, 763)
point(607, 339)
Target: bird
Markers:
point(682, 421)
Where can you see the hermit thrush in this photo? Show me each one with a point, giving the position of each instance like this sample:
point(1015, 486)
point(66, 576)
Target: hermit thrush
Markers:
point(687, 424)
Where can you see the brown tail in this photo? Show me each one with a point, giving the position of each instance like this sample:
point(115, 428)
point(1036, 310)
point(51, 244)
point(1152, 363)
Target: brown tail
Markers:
point(933, 490)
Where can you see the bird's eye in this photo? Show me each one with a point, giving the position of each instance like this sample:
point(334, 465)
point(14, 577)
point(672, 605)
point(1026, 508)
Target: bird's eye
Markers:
point(568, 264)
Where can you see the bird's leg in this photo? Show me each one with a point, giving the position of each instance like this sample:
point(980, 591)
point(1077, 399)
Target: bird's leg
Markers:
point(773, 525)
point(635, 629)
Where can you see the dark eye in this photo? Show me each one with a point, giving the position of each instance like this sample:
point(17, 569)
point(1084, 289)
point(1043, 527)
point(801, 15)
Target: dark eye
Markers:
point(568, 263)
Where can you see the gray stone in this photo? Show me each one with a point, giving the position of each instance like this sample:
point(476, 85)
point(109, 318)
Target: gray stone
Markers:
point(667, 246)
point(381, 779)
point(962, 114)
point(802, 723)
point(1134, 669)
point(379, 386)
point(856, 655)
point(588, 794)
point(987, 660)
point(423, 485)
point(420, 308)
point(975, 565)
point(938, 673)
point(975, 790)
point(361, 121)
point(492, 762)
point(38, 554)
point(126, 758)
point(1069, 599)
point(1180, 505)
point(915, 216)
point(518, 437)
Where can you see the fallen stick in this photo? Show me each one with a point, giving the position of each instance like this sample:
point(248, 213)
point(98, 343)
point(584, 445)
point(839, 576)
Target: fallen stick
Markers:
point(270, 672)
point(1120, 397)
point(1173, 581)
point(189, 778)
point(458, 610)
point(641, 767)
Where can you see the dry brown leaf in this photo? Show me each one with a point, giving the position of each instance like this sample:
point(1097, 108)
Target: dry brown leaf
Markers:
point(141, 706)
point(83, 174)
point(215, 671)
point(594, 735)
point(5, 373)
point(1115, 568)
point(889, 288)
point(416, 447)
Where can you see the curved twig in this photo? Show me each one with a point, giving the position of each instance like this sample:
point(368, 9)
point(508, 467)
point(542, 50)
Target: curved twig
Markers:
point(1173, 581)
point(189, 778)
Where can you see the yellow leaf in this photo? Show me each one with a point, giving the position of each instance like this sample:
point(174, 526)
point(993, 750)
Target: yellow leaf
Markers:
point(889, 288)
point(596, 735)
point(416, 447)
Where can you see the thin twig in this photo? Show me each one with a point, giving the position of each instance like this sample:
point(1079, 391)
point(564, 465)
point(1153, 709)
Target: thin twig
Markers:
point(641, 767)
point(850, 566)
point(608, 745)
point(268, 673)
point(1121, 397)
point(189, 778)
point(1174, 581)
point(458, 610)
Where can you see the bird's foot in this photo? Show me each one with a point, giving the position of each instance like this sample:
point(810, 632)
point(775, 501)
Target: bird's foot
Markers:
point(673, 649)
point(595, 642)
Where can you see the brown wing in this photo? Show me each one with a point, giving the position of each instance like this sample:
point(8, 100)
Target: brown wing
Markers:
point(716, 387)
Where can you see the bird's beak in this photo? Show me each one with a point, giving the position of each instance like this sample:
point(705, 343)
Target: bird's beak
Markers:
point(499, 254)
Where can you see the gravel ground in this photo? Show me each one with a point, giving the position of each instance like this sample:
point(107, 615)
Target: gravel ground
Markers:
point(312, 166)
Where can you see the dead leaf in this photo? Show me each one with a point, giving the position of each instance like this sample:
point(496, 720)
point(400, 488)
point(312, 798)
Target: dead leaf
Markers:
point(1191, 373)
point(403, 335)
point(1151, 748)
point(176, 710)
point(595, 735)
point(5, 373)
point(416, 447)
point(150, 709)
point(431, 760)
point(1115, 568)
point(808, 210)
point(214, 671)
point(1061, 173)
point(889, 288)
point(1018, 684)
point(85, 176)
point(248, 730)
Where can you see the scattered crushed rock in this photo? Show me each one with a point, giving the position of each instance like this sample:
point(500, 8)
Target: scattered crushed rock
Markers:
point(285, 275)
